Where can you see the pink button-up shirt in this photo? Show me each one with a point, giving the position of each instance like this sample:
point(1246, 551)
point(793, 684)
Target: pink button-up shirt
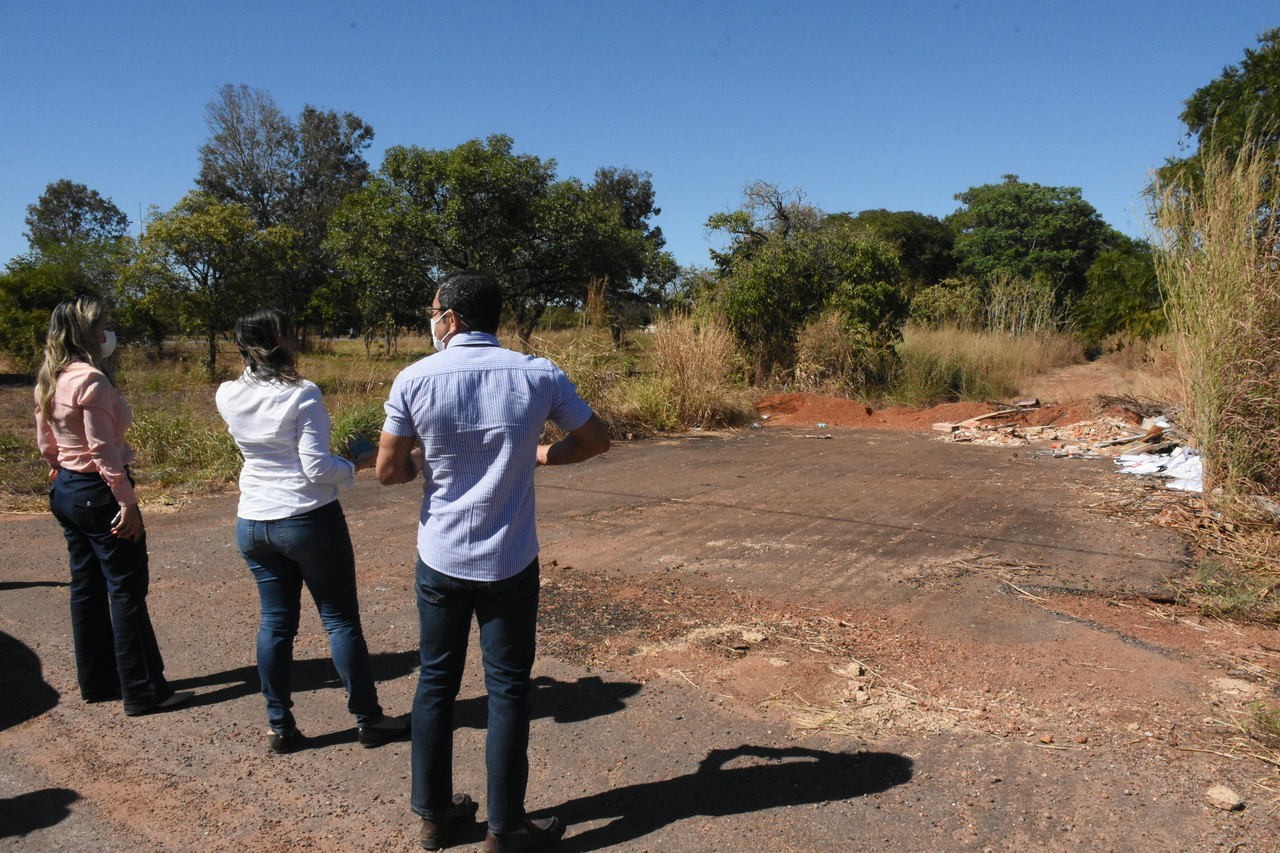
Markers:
point(86, 429)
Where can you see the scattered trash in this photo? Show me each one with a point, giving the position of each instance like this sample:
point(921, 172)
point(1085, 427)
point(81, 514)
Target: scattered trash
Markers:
point(756, 425)
point(1182, 468)
point(1153, 446)
point(822, 426)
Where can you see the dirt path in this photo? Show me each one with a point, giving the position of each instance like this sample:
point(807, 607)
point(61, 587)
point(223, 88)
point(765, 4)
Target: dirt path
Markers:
point(751, 641)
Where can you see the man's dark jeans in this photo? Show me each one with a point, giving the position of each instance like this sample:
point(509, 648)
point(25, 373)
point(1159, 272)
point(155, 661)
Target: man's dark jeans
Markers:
point(507, 612)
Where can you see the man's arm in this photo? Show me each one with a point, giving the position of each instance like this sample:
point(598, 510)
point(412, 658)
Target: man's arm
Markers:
point(397, 463)
point(590, 439)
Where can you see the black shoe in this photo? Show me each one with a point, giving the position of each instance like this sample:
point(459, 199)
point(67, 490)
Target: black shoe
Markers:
point(173, 700)
point(381, 731)
point(283, 743)
point(434, 835)
point(536, 835)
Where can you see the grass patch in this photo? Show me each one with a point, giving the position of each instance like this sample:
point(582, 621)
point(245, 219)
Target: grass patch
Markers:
point(1218, 243)
point(950, 364)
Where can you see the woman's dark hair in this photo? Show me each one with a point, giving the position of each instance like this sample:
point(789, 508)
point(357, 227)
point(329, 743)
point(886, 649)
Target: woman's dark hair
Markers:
point(259, 336)
point(475, 297)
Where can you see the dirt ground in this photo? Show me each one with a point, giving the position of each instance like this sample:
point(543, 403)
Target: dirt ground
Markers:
point(855, 636)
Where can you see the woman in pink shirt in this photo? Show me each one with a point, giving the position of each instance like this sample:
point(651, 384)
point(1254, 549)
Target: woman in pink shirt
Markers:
point(80, 424)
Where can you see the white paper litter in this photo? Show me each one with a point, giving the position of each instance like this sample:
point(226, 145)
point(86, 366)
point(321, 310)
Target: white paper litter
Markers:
point(1183, 467)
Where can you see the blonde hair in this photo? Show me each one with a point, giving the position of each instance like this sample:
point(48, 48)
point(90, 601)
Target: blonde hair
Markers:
point(72, 337)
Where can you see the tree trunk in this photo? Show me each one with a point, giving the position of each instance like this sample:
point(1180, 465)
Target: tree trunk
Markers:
point(211, 357)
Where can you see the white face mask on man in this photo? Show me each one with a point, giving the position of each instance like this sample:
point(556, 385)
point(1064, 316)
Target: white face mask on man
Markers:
point(108, 345)
point(439, 342)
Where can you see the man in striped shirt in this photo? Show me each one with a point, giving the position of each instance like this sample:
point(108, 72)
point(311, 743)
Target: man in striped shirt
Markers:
point(468, 420)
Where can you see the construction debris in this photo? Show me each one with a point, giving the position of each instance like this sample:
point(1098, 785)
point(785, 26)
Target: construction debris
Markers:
point(1140, 436)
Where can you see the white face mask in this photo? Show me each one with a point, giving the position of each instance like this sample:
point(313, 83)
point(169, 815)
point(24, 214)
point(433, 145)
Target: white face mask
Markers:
point(109, 345)
point(440, 344)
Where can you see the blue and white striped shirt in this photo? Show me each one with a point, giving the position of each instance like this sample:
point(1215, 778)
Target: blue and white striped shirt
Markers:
point(478, 411)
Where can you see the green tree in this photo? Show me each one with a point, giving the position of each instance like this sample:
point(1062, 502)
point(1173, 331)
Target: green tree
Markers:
point(1239, 108)
point(1028, 231)
point(482, 206)
point(1122, 297)
point(203, 257)
point(69, 213)
point(286, 173)
point(787, 262)
point(78, 242)
point(925, 244)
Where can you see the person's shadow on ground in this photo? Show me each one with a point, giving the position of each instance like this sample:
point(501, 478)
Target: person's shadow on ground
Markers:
point(5, 586)
point(37, 810)
point(308, 674)
point(789, 776)
point(24, 693)
point(563, 701)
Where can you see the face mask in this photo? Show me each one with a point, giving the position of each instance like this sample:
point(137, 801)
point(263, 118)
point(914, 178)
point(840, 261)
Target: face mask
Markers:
point(109, 345)
point(440, 344)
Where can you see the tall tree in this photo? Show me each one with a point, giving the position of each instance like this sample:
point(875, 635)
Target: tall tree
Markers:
point(69, 212)
point(1241, 106)
point(482, 206)
point(78, 242)
point(286, 173)
point(1028, 231)
point(250, 155)
point(205, 255)
point(637, 267)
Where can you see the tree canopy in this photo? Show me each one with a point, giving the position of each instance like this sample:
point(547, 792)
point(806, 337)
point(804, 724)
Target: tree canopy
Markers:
point(1028, 231)
point(787, 263)
point(482, 206)
point(1240, 106)
point(204, 257)
point(925, 244)
point(285, 173)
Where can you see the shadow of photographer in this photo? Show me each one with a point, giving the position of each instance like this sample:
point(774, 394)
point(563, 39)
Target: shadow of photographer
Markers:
point(24, 693)
point(41, 809)
point(780, 777)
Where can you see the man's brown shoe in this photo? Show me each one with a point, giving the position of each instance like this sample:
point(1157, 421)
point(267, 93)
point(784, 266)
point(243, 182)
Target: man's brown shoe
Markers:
point(434, 835)
point(536, 835)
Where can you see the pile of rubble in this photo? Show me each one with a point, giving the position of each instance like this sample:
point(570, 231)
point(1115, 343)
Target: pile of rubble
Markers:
point(1141, 437)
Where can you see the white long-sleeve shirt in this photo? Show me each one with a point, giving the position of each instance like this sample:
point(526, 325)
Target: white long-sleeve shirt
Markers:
point(283, 431)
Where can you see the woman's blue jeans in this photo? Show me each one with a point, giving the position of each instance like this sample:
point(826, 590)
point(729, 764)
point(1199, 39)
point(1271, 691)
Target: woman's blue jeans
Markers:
point(314, 549)
point(116, 649)
point(507, 611)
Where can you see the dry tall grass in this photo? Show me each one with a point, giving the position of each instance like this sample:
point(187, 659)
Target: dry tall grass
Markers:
point(949, 363)
point(698, 359)
point(1219, 263)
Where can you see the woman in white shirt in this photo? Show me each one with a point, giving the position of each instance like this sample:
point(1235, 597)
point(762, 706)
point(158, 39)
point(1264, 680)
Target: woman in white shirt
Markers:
point(290, 527)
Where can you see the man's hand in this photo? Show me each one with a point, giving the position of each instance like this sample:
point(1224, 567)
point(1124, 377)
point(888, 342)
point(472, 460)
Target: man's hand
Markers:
point(399, 459)
point(590, 439)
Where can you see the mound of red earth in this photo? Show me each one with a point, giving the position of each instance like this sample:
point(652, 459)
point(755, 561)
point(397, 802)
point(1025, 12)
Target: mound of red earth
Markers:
point(809, 410)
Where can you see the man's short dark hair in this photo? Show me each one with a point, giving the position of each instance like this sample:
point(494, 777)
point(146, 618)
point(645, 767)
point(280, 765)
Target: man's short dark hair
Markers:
point(473, 296)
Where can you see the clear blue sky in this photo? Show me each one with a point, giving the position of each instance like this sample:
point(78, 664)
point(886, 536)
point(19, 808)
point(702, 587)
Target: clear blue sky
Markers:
point(860, 104)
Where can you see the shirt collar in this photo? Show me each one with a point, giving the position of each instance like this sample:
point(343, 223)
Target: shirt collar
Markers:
point(472, 339)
